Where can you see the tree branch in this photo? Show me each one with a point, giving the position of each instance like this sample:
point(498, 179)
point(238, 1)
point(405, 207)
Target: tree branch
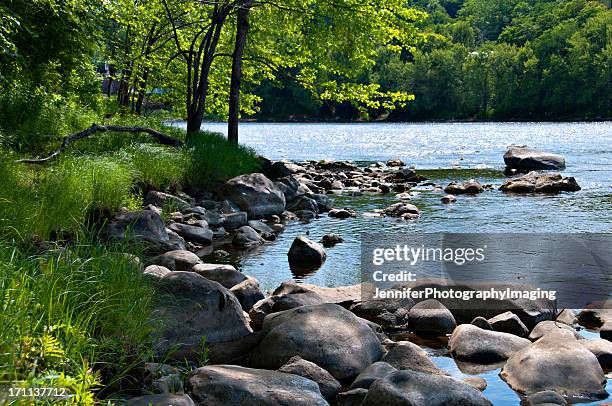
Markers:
point(161, 138)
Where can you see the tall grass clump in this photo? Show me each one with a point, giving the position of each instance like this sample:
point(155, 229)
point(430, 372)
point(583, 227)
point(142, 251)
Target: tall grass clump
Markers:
point(72, 317)
point(213, 159)
point(157, 167)
point(61, 198)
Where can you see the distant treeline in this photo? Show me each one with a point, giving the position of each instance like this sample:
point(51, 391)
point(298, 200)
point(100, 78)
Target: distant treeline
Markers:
point(484, 60)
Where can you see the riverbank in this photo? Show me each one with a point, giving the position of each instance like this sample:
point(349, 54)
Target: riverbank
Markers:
point(210, 225)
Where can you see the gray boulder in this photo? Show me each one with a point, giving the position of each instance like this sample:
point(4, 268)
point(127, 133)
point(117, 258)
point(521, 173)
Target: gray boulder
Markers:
point(303, 203)
point(602, 349)
point(403, 210)
point(375, 371)
point(234, 385)
point(388, 313)
point(482, 323)
point(164, 399)
point(535, 182)
point(407, 355)
point(556, 362)
point(306, 252)
point(508, 322)
point(328, 335)
point(255, 194)
point(328, 385)
point(470, 187)
point(146, 227)
point(179, 260)
point(431, 317)
point(527, 159)
point(342, 213)
point(331, 239)
point(545, 398)
point(193, 309)
point(473, 344)
point(414, 388)
point(248, 292)
point(198, 235)
point(226, 275)
point(262, 229)
point(548, 326)
point(246, 237)
point(233, 221)
point(156, 271)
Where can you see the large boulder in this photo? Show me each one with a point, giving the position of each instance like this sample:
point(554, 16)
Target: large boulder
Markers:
point(179, 260)
point(304, 252)
point(407, 355)
point(328, 385)
point(535, 182)
point(412, 388)
point(556, 362)
point(234, 385)
point(255, 194)
point(192, 309)
point(431, 317)
point(145, 226)
point(327, 334)
point(527, 159)
point(473, 344)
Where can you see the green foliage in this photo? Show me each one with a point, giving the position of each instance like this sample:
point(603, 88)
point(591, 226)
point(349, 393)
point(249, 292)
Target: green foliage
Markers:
point(493, 59)
point(60, 311)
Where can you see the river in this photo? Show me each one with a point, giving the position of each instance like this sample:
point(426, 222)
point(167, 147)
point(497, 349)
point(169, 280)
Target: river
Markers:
point(442, 152)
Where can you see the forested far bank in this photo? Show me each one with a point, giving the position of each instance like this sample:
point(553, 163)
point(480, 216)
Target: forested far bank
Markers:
point(483, 60)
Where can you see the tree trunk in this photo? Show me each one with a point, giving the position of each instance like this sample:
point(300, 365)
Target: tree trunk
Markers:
point(142, 91)
point(242, 30)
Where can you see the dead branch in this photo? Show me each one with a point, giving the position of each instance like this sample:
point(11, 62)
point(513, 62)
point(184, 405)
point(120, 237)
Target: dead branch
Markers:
point(95, 128)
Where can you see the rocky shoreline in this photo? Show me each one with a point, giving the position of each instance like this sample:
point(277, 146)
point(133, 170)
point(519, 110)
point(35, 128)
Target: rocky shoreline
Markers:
point(308, 345)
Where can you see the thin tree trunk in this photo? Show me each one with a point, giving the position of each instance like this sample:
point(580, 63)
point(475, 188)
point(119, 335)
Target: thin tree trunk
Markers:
point(142, 90)
point(242, 30)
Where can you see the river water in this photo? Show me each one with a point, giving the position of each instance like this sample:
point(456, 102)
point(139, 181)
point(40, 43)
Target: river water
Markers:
point(442, 152)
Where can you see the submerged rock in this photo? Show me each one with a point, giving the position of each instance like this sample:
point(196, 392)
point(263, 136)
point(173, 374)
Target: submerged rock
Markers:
point(470, 187)
point(556, 362)
point(421, 389)
point(327, 334)
point(527, 159)
point(342, 213)
point(255, 194)
point(535, 182)
point(448, 199)
point(234, 385)
point(331, 239)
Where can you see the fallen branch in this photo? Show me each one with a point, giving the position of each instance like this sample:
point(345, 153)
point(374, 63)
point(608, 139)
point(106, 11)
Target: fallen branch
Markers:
point(95, 128)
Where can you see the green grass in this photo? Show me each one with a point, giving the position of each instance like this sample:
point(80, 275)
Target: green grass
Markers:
point(75, 311)
point(75, 316)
